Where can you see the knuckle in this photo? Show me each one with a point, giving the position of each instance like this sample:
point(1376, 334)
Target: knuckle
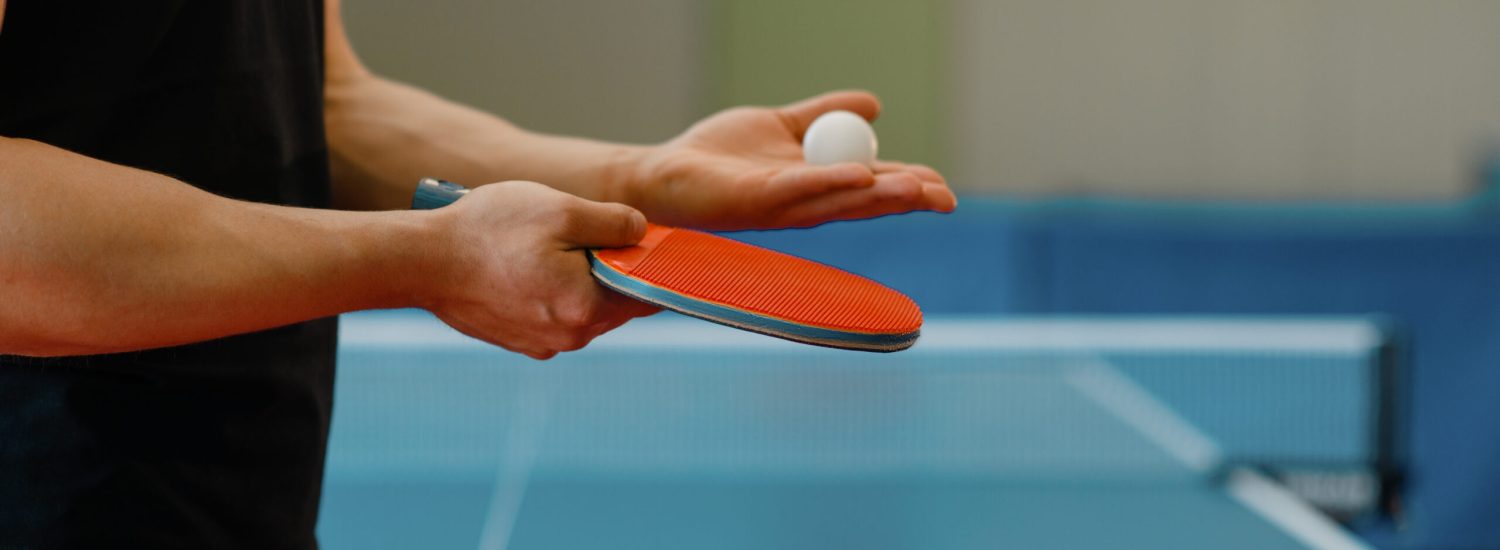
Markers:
point(907, 187)
point(566, 218)
point(577, 316)
point(573, 341)
point(570, 338)
point(577, 210)
point(508, 186)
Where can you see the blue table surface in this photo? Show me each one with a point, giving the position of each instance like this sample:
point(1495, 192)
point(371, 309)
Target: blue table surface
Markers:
point(727, 440)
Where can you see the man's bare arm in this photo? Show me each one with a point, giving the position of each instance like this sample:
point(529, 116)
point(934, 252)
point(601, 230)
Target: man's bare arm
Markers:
point(369, 118)
point(385, 135)
point(96, 257)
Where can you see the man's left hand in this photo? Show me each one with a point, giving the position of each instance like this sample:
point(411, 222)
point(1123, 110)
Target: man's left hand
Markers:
point(742, 168)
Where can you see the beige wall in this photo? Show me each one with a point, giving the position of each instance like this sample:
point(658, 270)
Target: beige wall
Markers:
point(777, 51)
point(627, 70)
point(1212, 98)
point(1262, 98)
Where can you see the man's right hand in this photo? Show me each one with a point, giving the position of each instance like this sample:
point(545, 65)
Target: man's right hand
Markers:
point(517, 273)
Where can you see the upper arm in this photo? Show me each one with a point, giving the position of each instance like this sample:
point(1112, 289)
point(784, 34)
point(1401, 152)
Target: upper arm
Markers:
point(2, 14)
point(340, 62)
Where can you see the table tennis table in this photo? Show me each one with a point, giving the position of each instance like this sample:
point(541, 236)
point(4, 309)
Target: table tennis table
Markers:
point(673, 433)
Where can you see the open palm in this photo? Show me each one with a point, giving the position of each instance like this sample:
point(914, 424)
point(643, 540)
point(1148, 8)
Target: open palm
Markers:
point(743, 169)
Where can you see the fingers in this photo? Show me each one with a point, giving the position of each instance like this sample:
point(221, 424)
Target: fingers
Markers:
point(935, 192)
point(939, 197)
point(896, 188)
point(801, 114)
point(539, 355)
point(799, 182)
point(586, 311)
point(893, 193)
point(626, 308)
point(589, 224)
point(922, 172)
point(534, 352)
point(572, 331)
point(619, 310)
point(611, 309)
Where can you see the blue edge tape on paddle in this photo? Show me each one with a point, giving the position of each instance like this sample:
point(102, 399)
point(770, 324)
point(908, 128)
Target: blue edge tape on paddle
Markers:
point(435, 193)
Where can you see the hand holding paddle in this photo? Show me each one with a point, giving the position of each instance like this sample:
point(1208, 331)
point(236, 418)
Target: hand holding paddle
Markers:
point(736, 284)
point(522, 281)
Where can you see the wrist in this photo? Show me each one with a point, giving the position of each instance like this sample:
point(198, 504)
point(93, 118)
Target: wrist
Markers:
point(411, 260)
point(626, 175)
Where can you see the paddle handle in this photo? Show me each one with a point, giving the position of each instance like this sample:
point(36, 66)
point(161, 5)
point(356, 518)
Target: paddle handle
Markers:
point(435, 193)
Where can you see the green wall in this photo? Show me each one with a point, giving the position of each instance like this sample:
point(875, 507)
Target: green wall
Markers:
point(770, 52)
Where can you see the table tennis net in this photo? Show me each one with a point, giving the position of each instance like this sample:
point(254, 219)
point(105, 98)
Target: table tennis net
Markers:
point(965, 407)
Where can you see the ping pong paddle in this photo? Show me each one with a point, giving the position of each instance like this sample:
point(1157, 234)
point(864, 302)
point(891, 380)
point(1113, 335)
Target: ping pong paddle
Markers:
point(743, 286)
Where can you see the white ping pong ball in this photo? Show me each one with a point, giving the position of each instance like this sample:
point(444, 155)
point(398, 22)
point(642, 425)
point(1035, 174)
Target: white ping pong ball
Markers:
point(839, 136)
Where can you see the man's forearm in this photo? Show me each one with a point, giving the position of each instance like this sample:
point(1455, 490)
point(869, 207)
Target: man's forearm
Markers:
point(97, 258)
point(385, 135)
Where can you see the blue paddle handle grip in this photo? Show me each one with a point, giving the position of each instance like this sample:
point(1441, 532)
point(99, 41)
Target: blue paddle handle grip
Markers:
point(435, 193)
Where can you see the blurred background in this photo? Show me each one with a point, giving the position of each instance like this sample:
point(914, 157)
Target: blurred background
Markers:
point(1266, 160)
point(1327, 99)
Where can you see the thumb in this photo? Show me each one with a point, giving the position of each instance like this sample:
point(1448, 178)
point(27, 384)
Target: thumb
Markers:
point(589, 224)
point(801, 114)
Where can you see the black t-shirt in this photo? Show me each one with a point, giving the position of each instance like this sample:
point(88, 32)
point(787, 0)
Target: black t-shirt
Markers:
point(211, 445)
